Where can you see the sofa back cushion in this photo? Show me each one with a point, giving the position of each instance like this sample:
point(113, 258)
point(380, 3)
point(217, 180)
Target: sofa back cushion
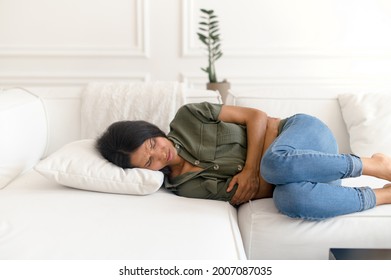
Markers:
point(368, 120)
point(63, 108)
point(23, 130)
point(287, 102)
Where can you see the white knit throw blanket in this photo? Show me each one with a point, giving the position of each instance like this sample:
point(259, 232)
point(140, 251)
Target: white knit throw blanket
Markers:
point(105, 103)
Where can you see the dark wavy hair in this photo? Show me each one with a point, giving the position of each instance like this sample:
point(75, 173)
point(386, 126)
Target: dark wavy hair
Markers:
point(123, 137)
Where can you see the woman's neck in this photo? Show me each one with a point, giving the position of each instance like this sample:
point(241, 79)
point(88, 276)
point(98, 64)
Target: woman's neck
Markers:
point(176, 169)
point(182, 167)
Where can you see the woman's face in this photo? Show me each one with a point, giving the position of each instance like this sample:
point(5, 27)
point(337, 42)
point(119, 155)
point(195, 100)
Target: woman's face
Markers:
point(154, 154)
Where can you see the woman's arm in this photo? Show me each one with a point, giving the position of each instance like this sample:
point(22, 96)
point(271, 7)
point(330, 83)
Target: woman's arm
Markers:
point(248, 179)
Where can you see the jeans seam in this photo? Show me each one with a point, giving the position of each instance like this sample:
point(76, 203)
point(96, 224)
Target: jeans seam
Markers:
point(367, 198)
point(350, 165)
point(361, 198)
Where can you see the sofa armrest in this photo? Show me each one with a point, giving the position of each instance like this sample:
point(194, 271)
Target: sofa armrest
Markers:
point(23, 130)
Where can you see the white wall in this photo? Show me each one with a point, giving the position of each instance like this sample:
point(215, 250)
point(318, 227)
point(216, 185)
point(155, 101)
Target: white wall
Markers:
point(57, 46)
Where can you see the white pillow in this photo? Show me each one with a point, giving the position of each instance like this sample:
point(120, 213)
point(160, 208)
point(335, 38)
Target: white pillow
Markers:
point(368, 120)
point(80, 165)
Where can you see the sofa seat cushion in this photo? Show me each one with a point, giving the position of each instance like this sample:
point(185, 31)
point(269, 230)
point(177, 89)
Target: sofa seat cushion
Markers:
point(268, 234)
point(40, 219)
point(23, 130)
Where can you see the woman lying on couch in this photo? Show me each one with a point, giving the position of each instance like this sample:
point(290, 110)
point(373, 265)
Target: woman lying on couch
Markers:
point(237, 154)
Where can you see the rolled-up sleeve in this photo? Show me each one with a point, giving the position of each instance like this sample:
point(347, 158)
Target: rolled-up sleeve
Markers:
point(205, 112)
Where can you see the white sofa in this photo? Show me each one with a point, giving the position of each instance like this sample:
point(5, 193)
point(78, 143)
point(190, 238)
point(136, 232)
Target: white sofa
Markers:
point(269, 235)
point(41, 219)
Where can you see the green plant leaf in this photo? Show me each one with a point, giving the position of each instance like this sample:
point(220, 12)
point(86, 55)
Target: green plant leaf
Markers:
point(203, 40)
point(220, 54)
point(216, 47)
point(209, 35)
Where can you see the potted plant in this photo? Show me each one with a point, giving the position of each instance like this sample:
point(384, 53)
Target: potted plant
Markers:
point(210, 37)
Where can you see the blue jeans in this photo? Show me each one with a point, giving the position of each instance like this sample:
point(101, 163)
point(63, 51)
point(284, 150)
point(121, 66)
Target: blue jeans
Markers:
point(304, 164)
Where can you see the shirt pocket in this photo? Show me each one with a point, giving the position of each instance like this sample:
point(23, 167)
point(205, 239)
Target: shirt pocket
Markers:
point(230, 133)
point(208, 142)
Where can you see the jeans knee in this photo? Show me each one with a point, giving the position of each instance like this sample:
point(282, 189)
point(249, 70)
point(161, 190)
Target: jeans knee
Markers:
point(268, 170)
point(295, 201)
point(288, 201)
point(276, 169)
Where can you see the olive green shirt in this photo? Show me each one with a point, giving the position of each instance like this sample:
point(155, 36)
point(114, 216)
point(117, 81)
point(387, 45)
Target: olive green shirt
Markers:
point(219, 148)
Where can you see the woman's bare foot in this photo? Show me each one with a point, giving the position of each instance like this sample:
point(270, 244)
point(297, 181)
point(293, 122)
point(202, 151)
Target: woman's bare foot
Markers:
point(379, 165)
point(383, 195)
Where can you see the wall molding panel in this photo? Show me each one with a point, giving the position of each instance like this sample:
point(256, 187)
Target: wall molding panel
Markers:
point(69, 79)
point(246, 82)
point(62, 45)
point(140, 48)
point(285, 49)
point(65, 85)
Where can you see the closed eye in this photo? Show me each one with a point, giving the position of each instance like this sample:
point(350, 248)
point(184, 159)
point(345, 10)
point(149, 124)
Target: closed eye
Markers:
point(152, 144)
point(148, 164)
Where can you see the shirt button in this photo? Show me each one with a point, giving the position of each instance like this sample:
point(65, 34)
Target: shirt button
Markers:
point(216, 167)
point(240, 167)
point(197, 162)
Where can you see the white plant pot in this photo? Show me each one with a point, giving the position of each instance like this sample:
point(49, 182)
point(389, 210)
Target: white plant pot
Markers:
point(221, 87)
